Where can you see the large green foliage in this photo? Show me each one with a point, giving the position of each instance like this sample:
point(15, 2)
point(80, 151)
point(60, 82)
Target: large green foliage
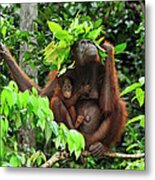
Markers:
point(19, 110)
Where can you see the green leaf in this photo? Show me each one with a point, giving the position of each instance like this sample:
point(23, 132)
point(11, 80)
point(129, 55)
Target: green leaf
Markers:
point(71, 142)
point(130, 88)
point(64, 35)
point(4, 96)
point(44, 102)
point(20, 100)
point(94, 34)
point(48, 131)
point(55, 128)
point(2, 149)
point(6, 110)
point(75, 142)
point(142, 121)
point(120, 48)
point(39, 160)
point(64, 128)
point(97, 23)
point(25, 97)
point(102, 54)
point(13, 86)
point(14, 161)
point(142, 80)
point(28, 163)
point(15, 145)
point(49, 48)
point(23, 159)
point(43, 156)
point(100, 40)
point(140, 96)
point(4, 30)
point(77, 154)
point(135, 119)
point(18, 121)
point(132, 146)
point(136, 165)
point(34, 91)
point(63, 133)
point(35, 156)
point(41, 121)
point(57, 142)
point(4, 125)
point(79, 30)
point(54, 27)
point(50, 115)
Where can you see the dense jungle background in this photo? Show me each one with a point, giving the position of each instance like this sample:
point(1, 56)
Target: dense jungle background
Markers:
point(123, 24)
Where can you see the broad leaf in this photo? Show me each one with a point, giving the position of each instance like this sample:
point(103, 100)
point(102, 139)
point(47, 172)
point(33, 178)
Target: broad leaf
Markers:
point(54, 27)
point(130, 88)
point(14, 161)
point(135, 119)
point(48, 131)
point(120, 48)
point(140, 96)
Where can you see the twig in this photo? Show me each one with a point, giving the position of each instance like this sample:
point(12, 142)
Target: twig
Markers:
point(58, 156)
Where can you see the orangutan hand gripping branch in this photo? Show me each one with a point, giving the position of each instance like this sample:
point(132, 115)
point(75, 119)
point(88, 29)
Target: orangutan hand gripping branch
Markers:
point(105, 125)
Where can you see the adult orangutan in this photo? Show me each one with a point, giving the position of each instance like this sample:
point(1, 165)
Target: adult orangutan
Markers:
point(104, 92)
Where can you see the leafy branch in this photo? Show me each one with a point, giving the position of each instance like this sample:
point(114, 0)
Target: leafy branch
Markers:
point(57, 52)
point(23, 109)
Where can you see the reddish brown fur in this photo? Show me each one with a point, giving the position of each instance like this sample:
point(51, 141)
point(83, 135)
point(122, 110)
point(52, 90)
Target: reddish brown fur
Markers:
point(113, 108)
point(64, 103)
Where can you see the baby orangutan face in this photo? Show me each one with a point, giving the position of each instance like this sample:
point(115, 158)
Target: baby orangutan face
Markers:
point(67, 88)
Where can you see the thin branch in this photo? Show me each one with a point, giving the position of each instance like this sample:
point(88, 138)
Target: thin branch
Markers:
point(58, 156)
point(121, 155)
point(117, 155)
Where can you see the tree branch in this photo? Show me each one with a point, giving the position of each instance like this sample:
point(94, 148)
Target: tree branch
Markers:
point(55, 158)
point(58, 156)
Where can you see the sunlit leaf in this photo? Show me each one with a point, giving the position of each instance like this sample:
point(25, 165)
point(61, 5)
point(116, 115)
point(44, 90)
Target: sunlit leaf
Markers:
point(13, 86)
point(55, 128)
point(34, 91)
point(97, 23)
point(142, 121)
point(120, 48)
point(43, 156)
point(135, 119)
point(2, 149)
point(48, 131)
point(142, 80)
point(140, 96)
point(130, 88)
point(4, 30)
point(94, 34)
point(14, 161)
point(75, 142)
point(54, 27)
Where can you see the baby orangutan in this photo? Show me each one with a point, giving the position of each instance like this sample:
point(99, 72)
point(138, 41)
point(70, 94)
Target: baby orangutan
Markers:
point(65, 97)
point(87, 114)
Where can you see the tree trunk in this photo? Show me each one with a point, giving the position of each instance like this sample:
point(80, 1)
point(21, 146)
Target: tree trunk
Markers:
point(28, 13)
